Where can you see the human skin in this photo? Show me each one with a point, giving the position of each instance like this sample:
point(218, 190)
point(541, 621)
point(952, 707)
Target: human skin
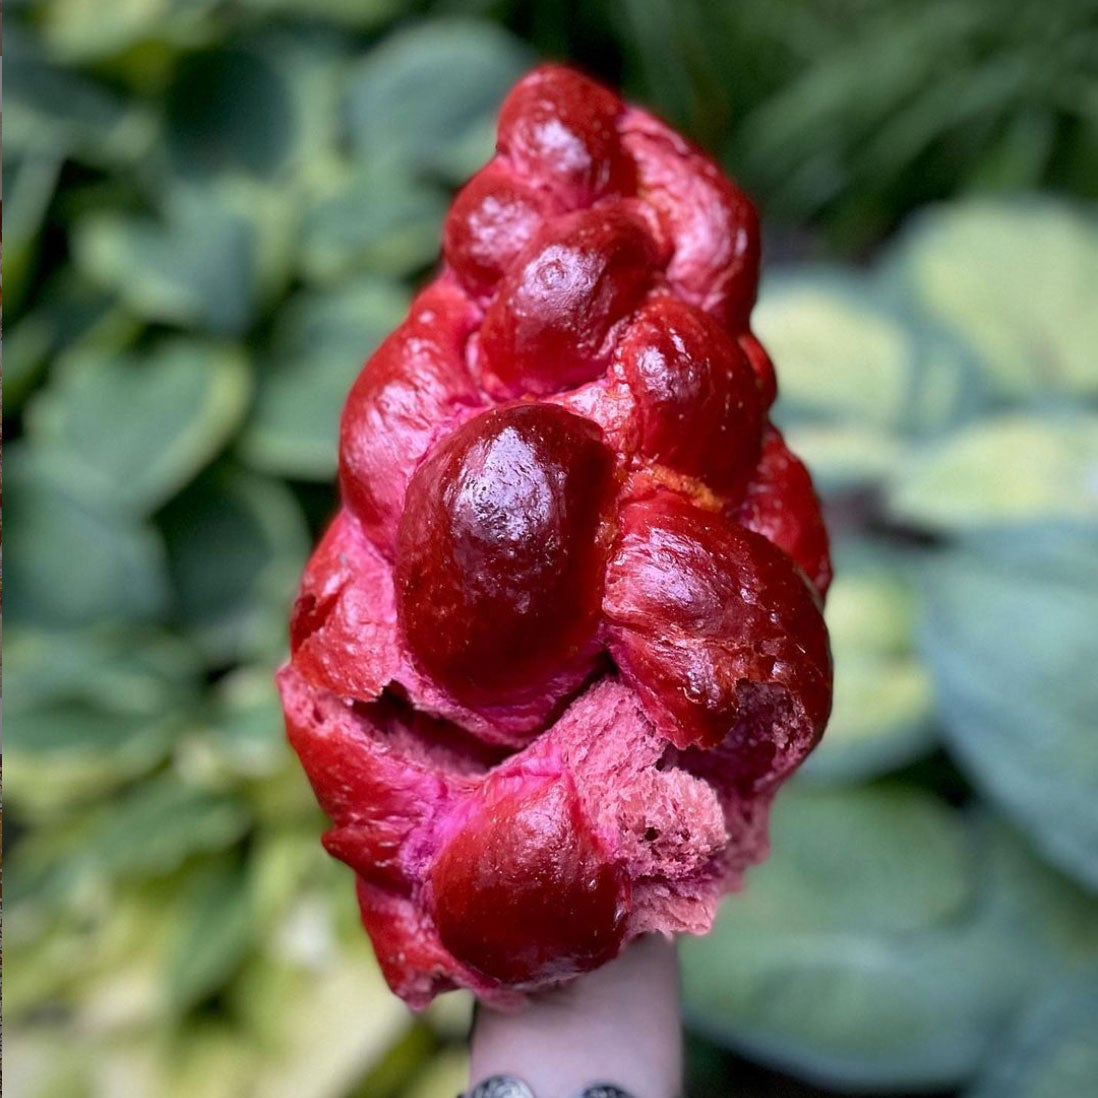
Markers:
point(618, 1024)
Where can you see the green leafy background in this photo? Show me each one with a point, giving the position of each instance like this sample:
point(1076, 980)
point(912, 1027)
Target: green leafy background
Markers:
point(215, 210)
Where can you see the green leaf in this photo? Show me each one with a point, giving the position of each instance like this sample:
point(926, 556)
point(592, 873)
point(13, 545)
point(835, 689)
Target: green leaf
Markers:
point(92, 709)
point(449, 1071)
point(839, 356)
point(1030, 909)
point(1019, 161)
point(1014, 281)
point(427, 96)
point(313, 60)
point(883, 710)
point(83, 31)
point(72, 316)
point(214, 935)
point(285, 865)
point(33, 1068)
point(29, 184)
point(67, 753)
point(56, 113)
point(212, 1060)
point(812, 834)
point(1051, 1053)
point(246, 726)
point(229, 111)
point(1011, 641)
point(317, 349)
point(124, 671)
point(236, 545)
point(377, 220)
point(882, 947)
point(149, 832)
point(70, 564)
point(847, 355)
point(1003, 471)
point(126, 432)
point(301, 1012)
point(27, 346)
point(197, 268)
point(824, 964)
point(845, 456)
point(353, 13)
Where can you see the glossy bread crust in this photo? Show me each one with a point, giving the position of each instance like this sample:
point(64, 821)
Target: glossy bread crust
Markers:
point(564, 639)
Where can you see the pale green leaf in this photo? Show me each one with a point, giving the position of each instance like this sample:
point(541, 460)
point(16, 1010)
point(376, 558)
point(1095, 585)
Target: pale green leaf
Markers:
point(447, 1073)
point(33, 1069)
point(29, 184)
point(823, 964)
point(837, 966)
point(91, 709)
point(150, 832)
point(1016, 281)
point(313, 60)
point(67, 754)
point(72, 317)
point(842, 456)
point(212, 1060)
point(56, 113)
point(315, 1050)
point(82, 32)
point(127, 431)
point(353, 13)
point(246, 726)
point(1003, 471)
point(839, 355)
point(68, 562)
point(883, 709)
point(121, 670)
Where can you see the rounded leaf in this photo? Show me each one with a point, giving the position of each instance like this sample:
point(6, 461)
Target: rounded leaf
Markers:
point(1015, 281)
point(1051, 1052)
point(882, 946)
point(883, 711)
point(847, 354)
point(70, 563)
point(125, 432)
point(1002, 472)
point(427, 97)
point(1010, 638)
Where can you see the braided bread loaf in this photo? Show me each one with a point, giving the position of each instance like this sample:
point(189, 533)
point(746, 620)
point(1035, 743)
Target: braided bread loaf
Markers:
point(563, 640)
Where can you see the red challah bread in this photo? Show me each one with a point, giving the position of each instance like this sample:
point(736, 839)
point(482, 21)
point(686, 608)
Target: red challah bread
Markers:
point(563, 641)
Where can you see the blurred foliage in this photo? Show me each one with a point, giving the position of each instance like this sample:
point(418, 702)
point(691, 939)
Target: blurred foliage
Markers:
point(911, 914)
point(849, 112)
point(216, 210)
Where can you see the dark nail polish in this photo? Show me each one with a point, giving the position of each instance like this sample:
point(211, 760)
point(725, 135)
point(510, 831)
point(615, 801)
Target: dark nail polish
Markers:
point(501, 1086)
